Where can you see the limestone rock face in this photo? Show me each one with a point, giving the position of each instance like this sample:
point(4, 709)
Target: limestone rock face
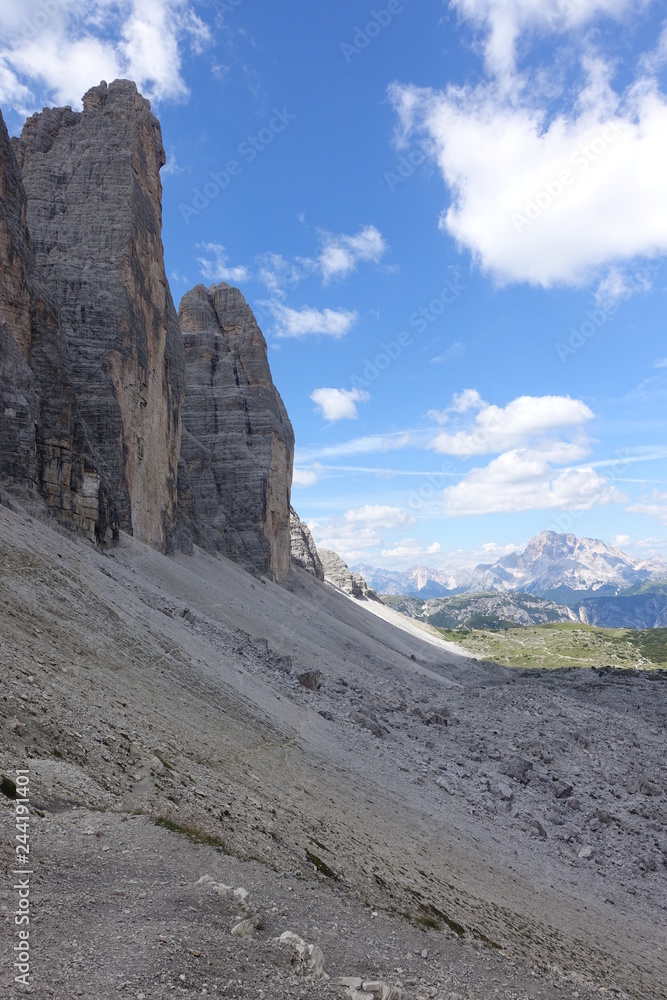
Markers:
point(94, 214)
point(304, 550)
point(337, 573)
point(238, 442)
point(44, 446)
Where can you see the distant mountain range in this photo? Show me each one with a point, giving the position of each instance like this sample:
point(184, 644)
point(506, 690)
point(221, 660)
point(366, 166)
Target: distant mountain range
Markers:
point(556, 578)
point(560, 567)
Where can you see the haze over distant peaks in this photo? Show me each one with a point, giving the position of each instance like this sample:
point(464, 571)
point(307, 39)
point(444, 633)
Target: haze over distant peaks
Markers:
point(550, 562)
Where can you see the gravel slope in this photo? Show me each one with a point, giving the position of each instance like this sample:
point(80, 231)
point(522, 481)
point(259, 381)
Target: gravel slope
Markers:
point(511, 824)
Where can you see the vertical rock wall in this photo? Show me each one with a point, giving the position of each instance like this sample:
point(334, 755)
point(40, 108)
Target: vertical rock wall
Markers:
point(238, 443)
point(44, 447)
point(94, 214)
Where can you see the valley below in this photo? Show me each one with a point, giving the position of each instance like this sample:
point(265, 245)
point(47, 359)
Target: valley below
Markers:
point(438, 825)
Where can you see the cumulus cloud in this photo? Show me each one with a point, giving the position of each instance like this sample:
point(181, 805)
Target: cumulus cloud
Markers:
point(571, 189)
point(358, 529)
point(339, 404)
point(52, 51)
point(407, 548)
point(309, 321)
point(498, 428)
point(504, 21)
point(216, 267)
point(522, 480)
point(462, 402)
point(341, 254)
point(379, 516)
point(304, 477)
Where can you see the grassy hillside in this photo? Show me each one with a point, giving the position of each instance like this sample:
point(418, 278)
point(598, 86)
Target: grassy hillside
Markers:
point(566, 644)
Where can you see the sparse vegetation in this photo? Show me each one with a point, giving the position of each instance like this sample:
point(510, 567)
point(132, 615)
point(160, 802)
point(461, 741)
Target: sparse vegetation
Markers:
point(321, 866)
point(192, 833)
point(565, 644)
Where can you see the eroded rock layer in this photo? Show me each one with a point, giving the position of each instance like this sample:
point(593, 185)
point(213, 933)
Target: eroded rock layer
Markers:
point(44, 446)
point(94, 214)
point(304, 550)
point(238, 443)
point(336, 572)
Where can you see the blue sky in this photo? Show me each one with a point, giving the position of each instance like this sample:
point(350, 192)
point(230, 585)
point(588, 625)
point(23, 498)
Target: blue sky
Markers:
point(451, 221)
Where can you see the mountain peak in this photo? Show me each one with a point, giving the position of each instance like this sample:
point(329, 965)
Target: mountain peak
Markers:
point(550, 562)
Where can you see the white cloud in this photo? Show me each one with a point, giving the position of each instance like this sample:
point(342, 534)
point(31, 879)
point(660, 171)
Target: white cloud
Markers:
point(522, 480)
point(620, 283)
point(171, 167)
point(339, 404)
point(662, 363)
point(278, 274)
point(53, 51)
point(341, 254)
point(568, 193)
point(434, 549)
point(462, 402)
point(369, 444)
point(303, 478)
point(407, 548)
point(506, 20)
point(654, 505)
point(310, 321)
point(453, 352)
point(498, 429)
point(217, 268)
point(358, 529)
point(350, 541)
point(379, 516)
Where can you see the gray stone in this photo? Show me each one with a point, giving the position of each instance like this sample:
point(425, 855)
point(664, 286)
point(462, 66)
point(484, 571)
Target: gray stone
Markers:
point(44, 446)
point(311, 679)
point(519, 769)
point(304, 550)
point(337, 573)
point(238, 442)
point(94, 215)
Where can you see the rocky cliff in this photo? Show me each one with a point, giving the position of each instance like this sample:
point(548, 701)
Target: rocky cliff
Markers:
point(337, 573)
point(93, 414)
point(94, 213)
point(304, 550)
point(238, 443)
point(44, 446)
